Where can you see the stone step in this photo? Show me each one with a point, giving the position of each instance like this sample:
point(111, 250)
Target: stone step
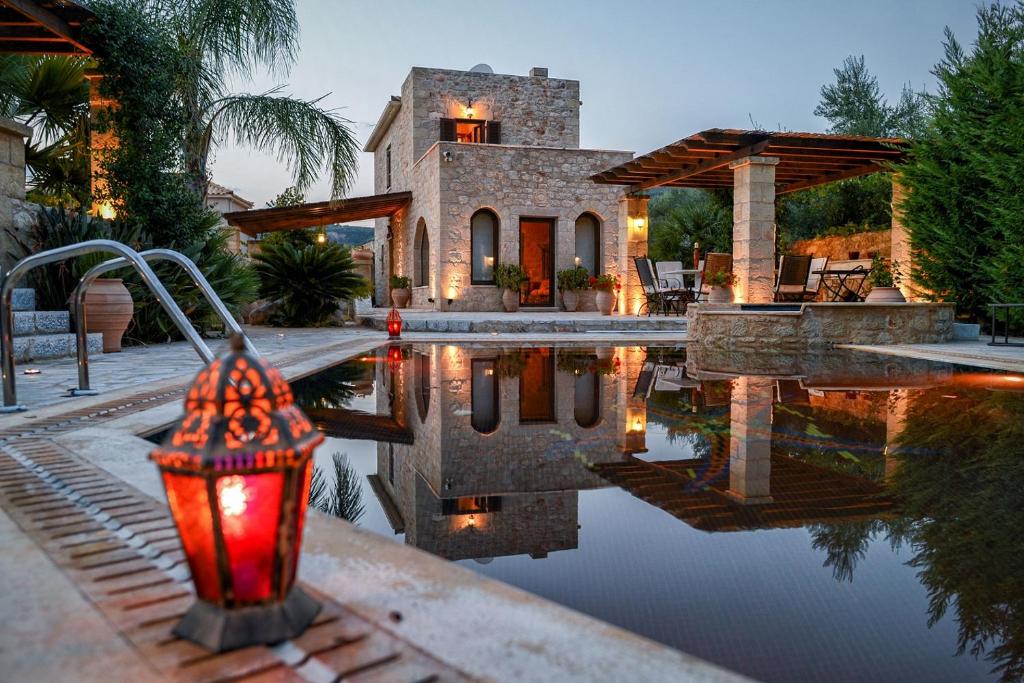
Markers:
point(27, 323)
point(23, 299)
point(44, 346)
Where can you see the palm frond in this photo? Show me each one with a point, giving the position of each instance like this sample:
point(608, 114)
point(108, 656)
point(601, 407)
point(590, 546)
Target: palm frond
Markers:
point(48, 93)
point(303, 135)
point(345, 498)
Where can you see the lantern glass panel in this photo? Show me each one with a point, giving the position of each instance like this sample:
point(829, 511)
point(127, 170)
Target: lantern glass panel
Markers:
point(190, 506)
point(250, 509)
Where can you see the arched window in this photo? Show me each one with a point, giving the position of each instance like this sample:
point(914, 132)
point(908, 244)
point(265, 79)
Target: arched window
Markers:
point(421, 248)
point(484, 390)
point(483, 229)
point(422, 370)
point(588, 243)
point(587, 399)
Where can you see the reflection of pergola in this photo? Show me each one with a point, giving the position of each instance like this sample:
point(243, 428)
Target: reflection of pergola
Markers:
point(758, 166)
point(345, 423)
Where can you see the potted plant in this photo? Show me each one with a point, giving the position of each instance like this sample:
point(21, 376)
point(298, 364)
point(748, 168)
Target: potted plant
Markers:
point(720, 283)
point(883, 280)
point(510, 277)
point(400, 293)
point(607, 286)
point(570, 282)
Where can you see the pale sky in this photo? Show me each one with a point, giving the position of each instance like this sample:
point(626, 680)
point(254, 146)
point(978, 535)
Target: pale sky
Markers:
point(650, 72)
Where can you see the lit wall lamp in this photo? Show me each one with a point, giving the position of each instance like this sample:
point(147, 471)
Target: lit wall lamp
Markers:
point(453, 294)
point(106, 211)
point(469, 110)
point(639, 223)
point(447, 156)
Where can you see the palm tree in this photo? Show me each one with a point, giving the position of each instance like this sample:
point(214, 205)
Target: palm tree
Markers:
point(222, 38)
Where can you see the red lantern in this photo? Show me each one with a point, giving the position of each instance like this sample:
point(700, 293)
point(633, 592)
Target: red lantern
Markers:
point(394, 324)
point(237, 473)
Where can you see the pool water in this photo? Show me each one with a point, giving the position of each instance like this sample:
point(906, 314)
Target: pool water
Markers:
point(848, 517)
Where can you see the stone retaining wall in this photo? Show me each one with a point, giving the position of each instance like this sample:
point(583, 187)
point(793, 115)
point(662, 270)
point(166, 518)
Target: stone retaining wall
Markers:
point(819, 325)
point(840, 247)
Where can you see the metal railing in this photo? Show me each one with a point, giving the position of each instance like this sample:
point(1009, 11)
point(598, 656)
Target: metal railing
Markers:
point(127, 257)
point(1006, 325)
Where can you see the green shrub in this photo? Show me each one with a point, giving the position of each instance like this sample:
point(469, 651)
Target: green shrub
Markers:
point(573, 279)
point(307, 283)
point(399, 282)
point(509, 276)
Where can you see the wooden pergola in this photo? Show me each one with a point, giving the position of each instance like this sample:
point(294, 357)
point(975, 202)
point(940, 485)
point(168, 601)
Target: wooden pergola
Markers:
point(805, 159)
point(43, 27)
point(317, 214)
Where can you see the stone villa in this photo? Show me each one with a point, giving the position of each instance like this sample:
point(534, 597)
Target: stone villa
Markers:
point(496, 174)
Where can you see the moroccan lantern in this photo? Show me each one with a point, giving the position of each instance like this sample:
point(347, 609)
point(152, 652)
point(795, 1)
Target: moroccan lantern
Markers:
point(394, 324)
point(237, 474)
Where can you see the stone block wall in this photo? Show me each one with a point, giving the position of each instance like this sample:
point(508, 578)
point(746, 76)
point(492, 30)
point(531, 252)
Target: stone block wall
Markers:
point(839, 247)
point(16, 215)
point(727, 326)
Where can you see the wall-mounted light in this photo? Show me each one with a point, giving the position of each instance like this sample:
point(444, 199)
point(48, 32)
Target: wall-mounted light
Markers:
point(447, 156)
point(106, 211)
point(453, 294)
point(639, 223)
point(469, 111)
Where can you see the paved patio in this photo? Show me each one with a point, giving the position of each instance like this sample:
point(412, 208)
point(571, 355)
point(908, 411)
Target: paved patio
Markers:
point(976, 353)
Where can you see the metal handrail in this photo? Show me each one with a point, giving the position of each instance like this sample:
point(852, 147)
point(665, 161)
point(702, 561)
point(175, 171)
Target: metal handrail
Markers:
point(78, 303)
point(43, 258)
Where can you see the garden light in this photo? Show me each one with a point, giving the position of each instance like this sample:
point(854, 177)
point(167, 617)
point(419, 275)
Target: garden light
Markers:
point(394, 324)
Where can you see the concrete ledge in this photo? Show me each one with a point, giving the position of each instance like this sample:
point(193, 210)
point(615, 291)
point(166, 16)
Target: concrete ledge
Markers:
point(818, 325)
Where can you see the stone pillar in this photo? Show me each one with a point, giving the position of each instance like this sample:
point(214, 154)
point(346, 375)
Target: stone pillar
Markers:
point(100, 145)
point(750, 440)
point(895, 420)
point(900, 244)
point(633, 226)
point(12, 188)
point(632, 420)
point(753, 229)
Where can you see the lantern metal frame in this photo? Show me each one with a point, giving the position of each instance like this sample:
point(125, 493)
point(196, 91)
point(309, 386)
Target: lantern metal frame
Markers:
point(394, 323)
point(252, 442)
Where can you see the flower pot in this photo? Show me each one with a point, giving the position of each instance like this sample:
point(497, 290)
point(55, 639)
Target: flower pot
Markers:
point(510, 300)
point(400, 297)
point(571, 300)
point(605, 302)
point(890, 295)
point(108, 309)
point(720, 295)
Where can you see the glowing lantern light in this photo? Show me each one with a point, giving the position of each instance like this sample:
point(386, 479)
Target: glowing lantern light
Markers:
point(394, 324)
point(106, 211)
point(237, 474)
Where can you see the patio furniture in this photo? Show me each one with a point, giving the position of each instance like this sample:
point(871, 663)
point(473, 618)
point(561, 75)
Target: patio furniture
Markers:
point(658, 299)
point(839, 285)
point(792, 281)
point(814, 278)
point(1006, 325)
point(668, 274)
point(644, 381)
point(714, 262)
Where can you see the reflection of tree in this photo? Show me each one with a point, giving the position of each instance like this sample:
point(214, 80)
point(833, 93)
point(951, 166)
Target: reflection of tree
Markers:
point(844, 544)
point(844, 441)
point(346, 498)
point(961, 482)
point(333, 387)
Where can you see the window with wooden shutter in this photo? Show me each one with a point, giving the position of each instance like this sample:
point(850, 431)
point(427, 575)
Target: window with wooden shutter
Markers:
point(447, 130)
point(494, 132)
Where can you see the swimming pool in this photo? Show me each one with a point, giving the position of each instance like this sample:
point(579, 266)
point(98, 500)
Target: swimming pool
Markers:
point(843, 517)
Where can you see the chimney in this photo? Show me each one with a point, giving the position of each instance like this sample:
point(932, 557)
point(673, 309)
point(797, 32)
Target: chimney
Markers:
point(539, 72)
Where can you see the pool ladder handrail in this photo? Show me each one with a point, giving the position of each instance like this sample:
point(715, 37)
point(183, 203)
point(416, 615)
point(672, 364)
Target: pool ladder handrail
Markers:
point(127, 257)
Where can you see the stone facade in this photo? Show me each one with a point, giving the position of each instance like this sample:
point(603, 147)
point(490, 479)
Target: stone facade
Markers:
point(536, 171)
point(840, 247)
point(729, 327)
point(16, 215)
point(753, 230)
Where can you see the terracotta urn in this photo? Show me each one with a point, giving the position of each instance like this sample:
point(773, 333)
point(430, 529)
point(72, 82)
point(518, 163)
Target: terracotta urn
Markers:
point(510, 300)
point(108, 309)
point(400, 297)
point(885, 295)
point(571, 300)
point(720, 295)
point(605, 302)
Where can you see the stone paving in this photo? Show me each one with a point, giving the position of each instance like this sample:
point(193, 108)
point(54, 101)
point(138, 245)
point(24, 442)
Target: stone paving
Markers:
point(526, 322)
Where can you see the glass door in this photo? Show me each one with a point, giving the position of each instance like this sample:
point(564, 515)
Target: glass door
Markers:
point(537, 258)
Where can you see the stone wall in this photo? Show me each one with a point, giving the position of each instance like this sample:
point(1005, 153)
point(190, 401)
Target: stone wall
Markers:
point(513, 182)
point(839, 248)
point(539, 111)
point(727, 326)
point(16, 215)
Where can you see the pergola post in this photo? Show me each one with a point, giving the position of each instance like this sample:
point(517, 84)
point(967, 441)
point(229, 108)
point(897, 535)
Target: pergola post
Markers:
point(632, 229)
point(100, 147)
point(753, 229)
point(900, 253)
point(750, 440)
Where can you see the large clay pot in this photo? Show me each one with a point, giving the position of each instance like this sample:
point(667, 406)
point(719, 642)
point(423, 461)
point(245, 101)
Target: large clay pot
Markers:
point(605, 302)
point(510, 300)
point(571, 300)
point(108, 309)
point(400, 297)
point(720, 295)
point(885, 295)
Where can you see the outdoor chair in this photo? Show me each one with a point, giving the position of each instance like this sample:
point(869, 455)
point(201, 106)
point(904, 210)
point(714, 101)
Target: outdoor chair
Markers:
point(815, 279)
point(792, 281)
point(644, 381)
point(658, 300)
point(671, 281)
point(713, 262)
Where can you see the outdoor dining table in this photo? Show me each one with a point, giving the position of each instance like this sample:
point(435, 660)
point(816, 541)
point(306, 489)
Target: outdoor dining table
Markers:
point(842, 289)
point(678, 275)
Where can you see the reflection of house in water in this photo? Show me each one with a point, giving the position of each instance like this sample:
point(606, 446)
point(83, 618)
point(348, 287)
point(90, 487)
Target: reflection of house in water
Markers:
point(493, 468)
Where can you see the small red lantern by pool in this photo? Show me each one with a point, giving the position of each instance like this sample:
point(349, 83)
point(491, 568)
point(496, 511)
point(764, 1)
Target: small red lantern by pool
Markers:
point(237, 474)
point(394, 324)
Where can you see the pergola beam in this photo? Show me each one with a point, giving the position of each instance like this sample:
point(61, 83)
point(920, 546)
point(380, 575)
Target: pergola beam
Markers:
point(704, 166)
point(50, 21)
point(830, 178)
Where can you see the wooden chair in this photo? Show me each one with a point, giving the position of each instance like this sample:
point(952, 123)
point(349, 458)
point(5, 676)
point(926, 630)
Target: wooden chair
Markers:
point(792, 281)
point(662, 301)
point(713, 263)
point(815, 279)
